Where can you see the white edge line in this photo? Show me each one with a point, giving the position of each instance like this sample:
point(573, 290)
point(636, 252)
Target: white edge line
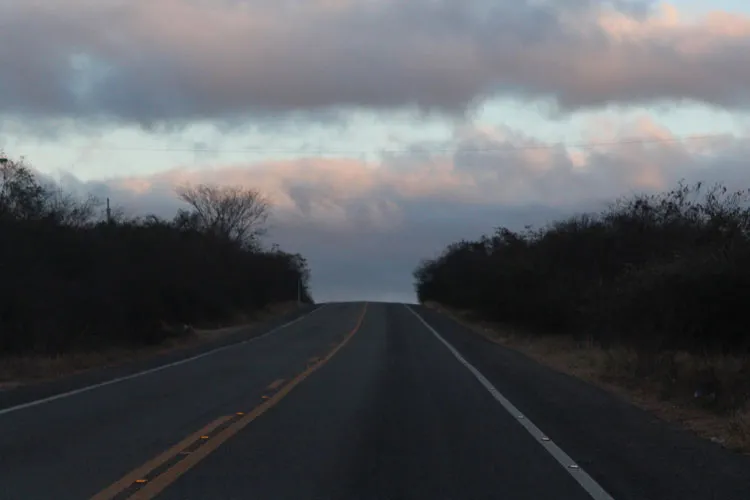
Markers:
point(587, 482)
point(88, 388)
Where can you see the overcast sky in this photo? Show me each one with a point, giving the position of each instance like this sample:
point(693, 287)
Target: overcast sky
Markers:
point(381, 129)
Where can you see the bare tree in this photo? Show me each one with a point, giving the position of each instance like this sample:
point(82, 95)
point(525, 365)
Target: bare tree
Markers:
point(21, 195)
point(69, 209)
point(236, 213)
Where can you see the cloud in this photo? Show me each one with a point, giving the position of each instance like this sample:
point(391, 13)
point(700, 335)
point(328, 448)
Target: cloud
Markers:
point(365, 226)
point(176, 61)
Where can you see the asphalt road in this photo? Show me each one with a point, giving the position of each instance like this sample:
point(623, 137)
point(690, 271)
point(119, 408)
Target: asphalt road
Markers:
point(352, 401)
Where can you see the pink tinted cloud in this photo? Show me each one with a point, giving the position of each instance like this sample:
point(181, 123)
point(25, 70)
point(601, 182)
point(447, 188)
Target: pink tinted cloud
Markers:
point(489, 166)
point(181, 60)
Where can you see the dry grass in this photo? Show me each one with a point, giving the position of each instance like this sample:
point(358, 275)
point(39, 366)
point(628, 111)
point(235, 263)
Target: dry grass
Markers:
point(21, 370)
point(709, 395)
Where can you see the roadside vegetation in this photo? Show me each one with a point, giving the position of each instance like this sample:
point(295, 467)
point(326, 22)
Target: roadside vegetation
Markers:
point(75, 277)
point(649, 296)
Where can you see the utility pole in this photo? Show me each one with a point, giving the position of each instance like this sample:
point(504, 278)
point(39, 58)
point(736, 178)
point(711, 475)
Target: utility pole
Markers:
point(109, 213)
point(299, 291)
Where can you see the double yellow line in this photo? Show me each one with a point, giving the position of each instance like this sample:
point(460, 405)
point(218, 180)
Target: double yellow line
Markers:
point(147, 481)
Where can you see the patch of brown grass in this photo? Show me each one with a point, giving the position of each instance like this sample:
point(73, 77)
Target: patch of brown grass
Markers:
point(21, 370)
point(710, 395)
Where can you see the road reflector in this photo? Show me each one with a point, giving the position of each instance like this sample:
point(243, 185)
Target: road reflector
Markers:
point(573, 466)
point(141, 480)
point(204, 437)
point(240, 413)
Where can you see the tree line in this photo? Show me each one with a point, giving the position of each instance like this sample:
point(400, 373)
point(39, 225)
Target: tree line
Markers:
point(74, 275)
point(654, 272)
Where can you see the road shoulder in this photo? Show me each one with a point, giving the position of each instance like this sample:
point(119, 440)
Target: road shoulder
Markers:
point(19, 394)
point(630, 452)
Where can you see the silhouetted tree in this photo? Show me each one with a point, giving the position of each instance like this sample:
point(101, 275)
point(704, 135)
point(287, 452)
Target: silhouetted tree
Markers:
point(235, 213)
point(662, 271)
point(71, 280)
point(21, 196)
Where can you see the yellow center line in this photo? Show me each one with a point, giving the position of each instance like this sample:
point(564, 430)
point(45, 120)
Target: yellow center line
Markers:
point(159, 483)
point(138, 474)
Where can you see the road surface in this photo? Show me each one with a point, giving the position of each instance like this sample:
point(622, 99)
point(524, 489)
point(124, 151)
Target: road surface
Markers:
point(350, 401)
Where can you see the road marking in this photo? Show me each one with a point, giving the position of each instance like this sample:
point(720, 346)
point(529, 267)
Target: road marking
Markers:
point(68, 394)
point(157, 484)
point(587, 482)
point(275, 384)
point(141, 472)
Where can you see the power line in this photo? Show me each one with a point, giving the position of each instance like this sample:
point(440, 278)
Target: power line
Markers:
point(420, 149)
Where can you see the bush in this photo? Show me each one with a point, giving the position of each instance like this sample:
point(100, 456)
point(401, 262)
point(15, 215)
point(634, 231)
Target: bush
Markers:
point(71, 280)
point(666, 271)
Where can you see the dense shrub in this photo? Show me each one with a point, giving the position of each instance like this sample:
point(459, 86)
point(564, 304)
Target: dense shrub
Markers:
point(70, 278)
point(666, 271)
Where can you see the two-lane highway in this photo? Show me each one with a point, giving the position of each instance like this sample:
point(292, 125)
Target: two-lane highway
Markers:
point(355, 401)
